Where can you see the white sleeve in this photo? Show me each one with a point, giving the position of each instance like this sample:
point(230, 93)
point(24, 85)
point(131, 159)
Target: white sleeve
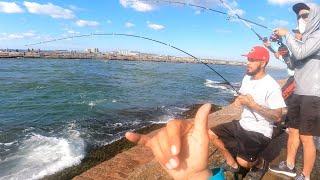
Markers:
point(275, 99)
point(243, 83)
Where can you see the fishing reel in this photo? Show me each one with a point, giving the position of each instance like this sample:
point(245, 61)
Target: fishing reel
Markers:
point(276, 38)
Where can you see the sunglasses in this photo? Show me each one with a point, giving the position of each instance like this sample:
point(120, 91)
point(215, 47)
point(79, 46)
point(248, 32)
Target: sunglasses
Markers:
point(303, 16)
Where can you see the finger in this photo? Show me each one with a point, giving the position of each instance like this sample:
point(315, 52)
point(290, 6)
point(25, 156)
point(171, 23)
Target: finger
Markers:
point(137, 138)
point(170, 161)
point(164, 143)
point(201, 119)
point(158, 154)
point(174, 135)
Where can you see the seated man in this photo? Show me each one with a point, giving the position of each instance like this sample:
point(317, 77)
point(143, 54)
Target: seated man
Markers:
point(241, 141)
point(182, 146)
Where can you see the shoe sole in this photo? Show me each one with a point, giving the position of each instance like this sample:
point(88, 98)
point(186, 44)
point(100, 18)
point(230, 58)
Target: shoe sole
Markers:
point(284, 173)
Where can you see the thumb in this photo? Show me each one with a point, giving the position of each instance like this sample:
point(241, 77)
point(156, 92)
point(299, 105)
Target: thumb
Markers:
point(201, 119)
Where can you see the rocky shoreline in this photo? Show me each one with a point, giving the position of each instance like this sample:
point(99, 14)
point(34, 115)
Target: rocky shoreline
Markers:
point(104, 153)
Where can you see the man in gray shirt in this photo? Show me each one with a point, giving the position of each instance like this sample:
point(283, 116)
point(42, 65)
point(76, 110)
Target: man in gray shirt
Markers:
point(304, 106)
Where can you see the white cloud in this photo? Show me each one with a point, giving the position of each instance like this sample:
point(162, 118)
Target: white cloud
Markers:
point(49, 9)
point(71, 31)
point(261, 18)
point(197, 12)
point(280, 23)
point(75, 8)
point(109, 21)
point(15, 36)
point(10, 7)
point(282, 2)
point(83, 23)
point(137, 5)
point(129, 25)
point(154, 26)
point(235, 10)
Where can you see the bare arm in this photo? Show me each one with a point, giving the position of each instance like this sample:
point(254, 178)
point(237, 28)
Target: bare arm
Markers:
point(273, 114)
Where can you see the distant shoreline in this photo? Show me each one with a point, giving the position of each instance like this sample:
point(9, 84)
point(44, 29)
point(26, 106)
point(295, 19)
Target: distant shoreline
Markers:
point(119, 57)
point(127, 56)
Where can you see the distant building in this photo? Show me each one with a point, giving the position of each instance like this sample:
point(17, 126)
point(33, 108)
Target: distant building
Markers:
point(92, 50)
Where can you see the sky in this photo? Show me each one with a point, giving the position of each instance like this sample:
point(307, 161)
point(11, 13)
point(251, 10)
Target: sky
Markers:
point(201, 33)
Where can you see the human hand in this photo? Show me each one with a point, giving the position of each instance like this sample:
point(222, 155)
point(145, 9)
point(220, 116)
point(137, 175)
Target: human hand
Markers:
point(298, 36)
point(266, 43)
point(246, 100)
point(277, 55)
point(281, 32)
point(182, 147)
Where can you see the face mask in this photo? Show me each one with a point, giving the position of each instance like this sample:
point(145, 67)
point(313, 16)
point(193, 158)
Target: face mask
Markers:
point(302, 25)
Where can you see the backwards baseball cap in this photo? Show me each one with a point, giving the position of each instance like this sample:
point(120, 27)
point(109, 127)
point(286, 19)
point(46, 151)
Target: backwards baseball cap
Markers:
point(299, 6)
point(258, 53)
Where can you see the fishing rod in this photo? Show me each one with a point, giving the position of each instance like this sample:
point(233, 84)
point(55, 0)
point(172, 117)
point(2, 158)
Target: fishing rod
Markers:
point(140, 37)
point(203, 8)
point(247, 22)
point(273, 37)
point(149, 39)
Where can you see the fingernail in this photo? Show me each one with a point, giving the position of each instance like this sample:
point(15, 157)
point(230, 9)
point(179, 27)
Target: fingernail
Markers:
point(173, 163)
point(168, 165)
point(174, 150)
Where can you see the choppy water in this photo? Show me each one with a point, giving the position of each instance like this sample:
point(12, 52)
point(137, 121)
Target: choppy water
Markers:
point(53, 111)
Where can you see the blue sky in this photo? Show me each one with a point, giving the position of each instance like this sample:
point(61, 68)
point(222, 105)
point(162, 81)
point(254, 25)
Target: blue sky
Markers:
point(202, 33)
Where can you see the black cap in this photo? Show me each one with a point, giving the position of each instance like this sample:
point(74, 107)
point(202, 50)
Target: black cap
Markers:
point(299, 6)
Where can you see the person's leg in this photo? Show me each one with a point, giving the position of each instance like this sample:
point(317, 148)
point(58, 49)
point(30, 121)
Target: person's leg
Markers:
point(294, 114)
point(309, 154)
point(245, 164)
point(292, 147)
point(218, 143)
point(222, 137)
point(310, 117)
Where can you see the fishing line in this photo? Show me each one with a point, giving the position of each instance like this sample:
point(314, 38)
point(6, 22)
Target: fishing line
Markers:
point(247, 22)
point(203, 8)
point(140, 37)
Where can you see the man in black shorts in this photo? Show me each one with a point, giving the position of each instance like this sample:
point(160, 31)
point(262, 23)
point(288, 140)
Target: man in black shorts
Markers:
point(304, 106)
point(241, 141)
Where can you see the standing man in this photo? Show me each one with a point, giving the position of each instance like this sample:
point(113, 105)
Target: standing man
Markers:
point(304, 106)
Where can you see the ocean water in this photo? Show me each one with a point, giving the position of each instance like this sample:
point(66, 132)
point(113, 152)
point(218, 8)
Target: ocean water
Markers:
point(53, 111)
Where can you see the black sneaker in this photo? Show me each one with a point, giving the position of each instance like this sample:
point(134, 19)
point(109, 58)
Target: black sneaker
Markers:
point(257, 173)
point(227, 167)
point(300, 177)
point(282, 168)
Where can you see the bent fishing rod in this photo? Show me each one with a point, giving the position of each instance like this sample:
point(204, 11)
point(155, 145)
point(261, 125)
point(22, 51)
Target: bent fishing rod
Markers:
point(247, 22)
point(149, 39)
point(139, 37)
point(273, 37)
point(202, 8)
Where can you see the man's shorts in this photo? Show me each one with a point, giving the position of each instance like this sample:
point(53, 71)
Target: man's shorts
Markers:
point(239, 142)
point(304, 114)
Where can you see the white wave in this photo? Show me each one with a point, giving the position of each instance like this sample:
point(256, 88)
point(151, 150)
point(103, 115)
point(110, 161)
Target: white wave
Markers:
point(182, 109)
point(163, 119)
point(95, 102)
point(39, 156)
point(218, 85)
point(9, 143)
point(92, 104)
point(114, 100)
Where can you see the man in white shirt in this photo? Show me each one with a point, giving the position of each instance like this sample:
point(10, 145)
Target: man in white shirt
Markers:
point(241, 141)
point(182, 147)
